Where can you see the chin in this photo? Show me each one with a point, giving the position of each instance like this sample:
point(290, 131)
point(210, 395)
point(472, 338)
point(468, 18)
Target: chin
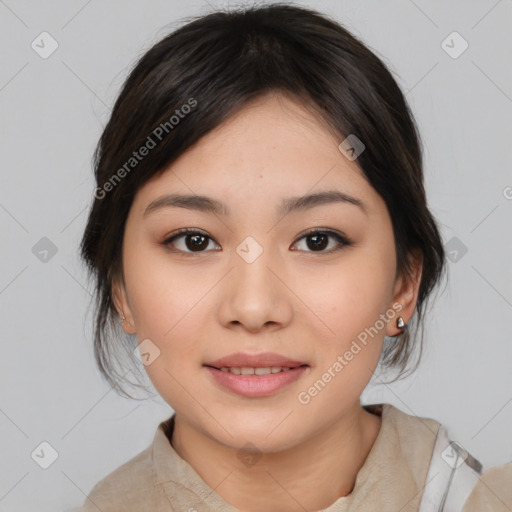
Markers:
point(268, 435)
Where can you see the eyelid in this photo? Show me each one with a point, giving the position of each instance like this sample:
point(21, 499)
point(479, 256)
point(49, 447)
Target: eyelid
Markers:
point(329, 231)
point(342, 239)
point(184, 231)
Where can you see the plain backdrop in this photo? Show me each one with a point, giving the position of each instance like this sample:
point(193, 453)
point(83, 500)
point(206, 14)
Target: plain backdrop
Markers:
point(53, 111)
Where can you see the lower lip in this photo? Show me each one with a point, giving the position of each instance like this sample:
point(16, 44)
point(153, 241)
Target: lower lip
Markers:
point(254, 386)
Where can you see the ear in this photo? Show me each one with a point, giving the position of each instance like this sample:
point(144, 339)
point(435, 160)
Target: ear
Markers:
point(120, 298)
point(405, 292)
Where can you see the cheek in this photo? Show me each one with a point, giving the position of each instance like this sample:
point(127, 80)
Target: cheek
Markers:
point(169, 309)
point(350, 303)
point(355, 295)
point(162, 297)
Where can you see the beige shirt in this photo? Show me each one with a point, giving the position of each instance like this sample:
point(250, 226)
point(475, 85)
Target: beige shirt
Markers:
point(391, 479)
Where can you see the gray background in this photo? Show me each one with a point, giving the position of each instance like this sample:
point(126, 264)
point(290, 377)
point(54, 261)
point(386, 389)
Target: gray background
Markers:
point(53, 111)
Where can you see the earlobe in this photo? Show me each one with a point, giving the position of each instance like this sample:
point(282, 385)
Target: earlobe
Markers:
point(406, 294)
point(122, 307)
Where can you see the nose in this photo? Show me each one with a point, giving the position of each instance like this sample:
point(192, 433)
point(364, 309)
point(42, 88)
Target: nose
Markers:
point(254, 295)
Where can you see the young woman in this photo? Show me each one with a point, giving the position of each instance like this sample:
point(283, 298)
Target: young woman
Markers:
point(260, 231)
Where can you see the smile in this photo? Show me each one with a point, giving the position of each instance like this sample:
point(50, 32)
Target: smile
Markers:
point(255, 382)
point(244, 370)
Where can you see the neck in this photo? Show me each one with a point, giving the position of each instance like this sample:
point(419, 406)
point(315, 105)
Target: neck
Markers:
point(308, 477)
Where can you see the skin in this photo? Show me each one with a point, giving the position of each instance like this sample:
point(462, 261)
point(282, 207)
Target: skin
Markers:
point(298, 301)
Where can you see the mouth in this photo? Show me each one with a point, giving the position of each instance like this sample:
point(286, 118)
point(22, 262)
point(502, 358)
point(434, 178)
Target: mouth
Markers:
point(254, 376)
point(257, 371)
point(266, 362)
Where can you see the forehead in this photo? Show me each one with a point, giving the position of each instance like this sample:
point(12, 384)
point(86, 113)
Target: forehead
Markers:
point(272, 149)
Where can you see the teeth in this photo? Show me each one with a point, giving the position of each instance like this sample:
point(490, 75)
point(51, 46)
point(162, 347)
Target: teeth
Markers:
point(254, 371)
point(262, 371)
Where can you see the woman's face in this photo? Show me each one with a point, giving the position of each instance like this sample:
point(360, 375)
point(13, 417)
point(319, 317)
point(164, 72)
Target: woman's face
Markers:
point(248, 280)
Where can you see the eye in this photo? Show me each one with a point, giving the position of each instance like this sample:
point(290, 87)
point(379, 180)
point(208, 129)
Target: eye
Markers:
point(195, 240)
point(318, 240)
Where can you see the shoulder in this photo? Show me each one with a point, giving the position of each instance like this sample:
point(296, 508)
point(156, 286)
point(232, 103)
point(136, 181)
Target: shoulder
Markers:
point(413, 435)
point(130, 487)
point(124, 487)
point(492, 492)
point(408, 425)
point(414, 439)
point(396, 467)
point(454, 478)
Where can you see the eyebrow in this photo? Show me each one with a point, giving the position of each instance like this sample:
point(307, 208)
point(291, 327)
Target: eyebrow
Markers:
point(210, 205)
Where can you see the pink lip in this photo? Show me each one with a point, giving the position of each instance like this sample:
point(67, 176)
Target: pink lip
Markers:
point(254, 386)
point(262, 360)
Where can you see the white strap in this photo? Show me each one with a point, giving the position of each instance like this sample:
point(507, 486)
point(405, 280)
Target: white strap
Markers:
point(451, 476)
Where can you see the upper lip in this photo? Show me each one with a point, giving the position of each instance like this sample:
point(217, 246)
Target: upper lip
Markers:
point(262, 360)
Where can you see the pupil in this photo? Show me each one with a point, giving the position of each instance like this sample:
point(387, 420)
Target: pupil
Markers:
point(196, 244)
point(199, 241)
point(317, 245)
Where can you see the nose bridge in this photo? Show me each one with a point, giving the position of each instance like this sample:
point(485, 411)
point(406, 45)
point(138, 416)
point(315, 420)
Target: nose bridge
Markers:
point(251, 261)
point(254, 295)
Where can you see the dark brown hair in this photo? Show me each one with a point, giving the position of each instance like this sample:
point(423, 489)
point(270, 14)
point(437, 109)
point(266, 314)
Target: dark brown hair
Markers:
point(216, 64)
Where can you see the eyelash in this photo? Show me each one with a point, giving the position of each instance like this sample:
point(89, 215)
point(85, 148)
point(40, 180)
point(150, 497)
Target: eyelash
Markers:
point(341, 238)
